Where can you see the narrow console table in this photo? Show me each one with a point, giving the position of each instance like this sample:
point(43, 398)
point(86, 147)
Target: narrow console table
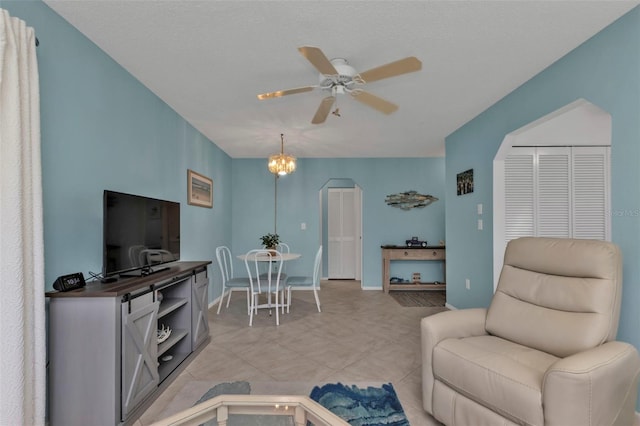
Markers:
point(429, 253)
point(106, 363)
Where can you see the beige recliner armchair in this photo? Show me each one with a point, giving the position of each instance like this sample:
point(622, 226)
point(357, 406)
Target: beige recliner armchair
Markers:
point(544, 352)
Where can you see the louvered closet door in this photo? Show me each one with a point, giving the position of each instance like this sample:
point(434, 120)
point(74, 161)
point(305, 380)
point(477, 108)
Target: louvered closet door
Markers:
point(591, 193)
point(553, 206)
point(519, 194)
point(557, 192)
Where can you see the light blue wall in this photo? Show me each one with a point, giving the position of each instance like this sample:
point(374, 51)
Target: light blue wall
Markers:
point(101, 129)
point(298, 201)
point(605, 71)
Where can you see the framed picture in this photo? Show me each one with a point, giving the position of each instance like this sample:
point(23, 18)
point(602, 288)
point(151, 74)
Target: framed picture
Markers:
point(199, 190)
point(465, 182)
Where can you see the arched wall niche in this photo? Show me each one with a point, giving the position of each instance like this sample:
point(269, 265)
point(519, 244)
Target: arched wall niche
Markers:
point(579, 123)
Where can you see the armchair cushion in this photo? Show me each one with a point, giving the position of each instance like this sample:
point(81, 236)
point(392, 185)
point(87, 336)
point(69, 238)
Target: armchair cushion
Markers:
point(501, 375)
point(561, 296)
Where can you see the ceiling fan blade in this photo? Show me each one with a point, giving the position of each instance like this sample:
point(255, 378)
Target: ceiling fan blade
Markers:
point(318, 60)
point(374, 101)
point(323, 110)
point(402, 66)
point(281, 93)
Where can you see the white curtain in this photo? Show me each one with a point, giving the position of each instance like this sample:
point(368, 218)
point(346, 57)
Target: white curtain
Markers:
point(22, 307)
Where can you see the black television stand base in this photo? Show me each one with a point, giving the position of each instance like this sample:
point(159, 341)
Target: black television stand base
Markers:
point(143, 272)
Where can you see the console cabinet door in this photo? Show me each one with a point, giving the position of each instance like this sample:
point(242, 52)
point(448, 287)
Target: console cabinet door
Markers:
point(199, 306)
point(139, 351)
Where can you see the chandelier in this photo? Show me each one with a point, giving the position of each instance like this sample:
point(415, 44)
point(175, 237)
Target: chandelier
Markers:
point(282, 164)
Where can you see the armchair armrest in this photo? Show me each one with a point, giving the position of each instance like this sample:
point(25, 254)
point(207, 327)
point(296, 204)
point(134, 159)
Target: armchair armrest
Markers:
point(441, 326)
point(594, 387)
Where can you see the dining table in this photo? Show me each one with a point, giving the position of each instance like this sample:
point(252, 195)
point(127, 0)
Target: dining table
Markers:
point(268, 258)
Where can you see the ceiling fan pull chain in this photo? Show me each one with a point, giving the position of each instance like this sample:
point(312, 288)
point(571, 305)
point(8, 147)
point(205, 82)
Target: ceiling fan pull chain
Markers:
point(336, 111)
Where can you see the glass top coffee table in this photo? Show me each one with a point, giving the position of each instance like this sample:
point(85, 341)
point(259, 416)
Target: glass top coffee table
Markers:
point(294, 409)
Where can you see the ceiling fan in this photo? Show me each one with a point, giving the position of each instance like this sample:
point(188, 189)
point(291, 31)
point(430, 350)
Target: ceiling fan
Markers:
point(338, 77)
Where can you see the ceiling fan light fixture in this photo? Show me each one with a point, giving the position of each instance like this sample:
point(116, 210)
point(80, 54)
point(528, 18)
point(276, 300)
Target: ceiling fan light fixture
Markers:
point(345, 76)
point(282, 164)
point(337, 77)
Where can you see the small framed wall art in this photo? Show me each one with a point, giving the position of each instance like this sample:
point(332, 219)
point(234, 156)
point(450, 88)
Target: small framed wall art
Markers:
point(465, 182)
point(199, 190)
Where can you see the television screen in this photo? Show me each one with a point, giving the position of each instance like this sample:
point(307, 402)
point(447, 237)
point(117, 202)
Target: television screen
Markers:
point(139, 233)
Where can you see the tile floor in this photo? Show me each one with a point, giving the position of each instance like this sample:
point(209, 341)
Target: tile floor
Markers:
point(359, 336)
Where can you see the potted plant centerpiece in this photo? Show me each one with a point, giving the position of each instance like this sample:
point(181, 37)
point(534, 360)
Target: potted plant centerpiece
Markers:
point(270, 241)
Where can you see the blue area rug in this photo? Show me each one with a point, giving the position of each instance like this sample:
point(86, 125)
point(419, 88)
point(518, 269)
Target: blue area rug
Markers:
point(362, 407)
point(367, 406)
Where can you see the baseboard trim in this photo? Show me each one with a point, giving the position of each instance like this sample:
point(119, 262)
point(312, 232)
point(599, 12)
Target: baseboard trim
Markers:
point(214, 302)
point(451, 307)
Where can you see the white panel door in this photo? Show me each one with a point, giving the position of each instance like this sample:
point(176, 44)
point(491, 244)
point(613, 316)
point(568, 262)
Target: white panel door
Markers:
point(342, 231)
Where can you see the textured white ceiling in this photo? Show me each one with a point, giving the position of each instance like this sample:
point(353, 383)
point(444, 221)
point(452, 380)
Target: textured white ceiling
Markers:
point(209, 59)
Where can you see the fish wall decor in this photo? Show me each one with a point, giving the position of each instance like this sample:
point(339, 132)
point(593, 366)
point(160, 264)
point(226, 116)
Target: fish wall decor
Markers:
point(409, 200)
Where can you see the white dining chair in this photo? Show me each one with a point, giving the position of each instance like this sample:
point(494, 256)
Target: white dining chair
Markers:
point(306, 282)
point(282, 248)
point(269, 284)
point(230, 282)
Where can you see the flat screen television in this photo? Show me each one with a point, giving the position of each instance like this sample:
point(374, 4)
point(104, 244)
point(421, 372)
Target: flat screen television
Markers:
point(140, 233)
